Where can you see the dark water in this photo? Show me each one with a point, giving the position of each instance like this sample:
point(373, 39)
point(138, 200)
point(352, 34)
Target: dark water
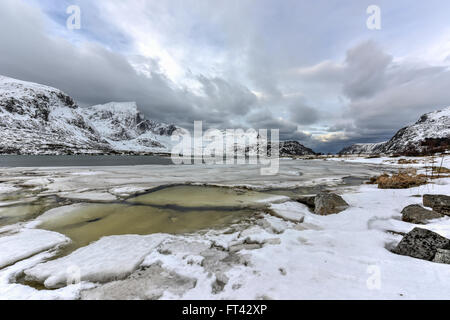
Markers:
point(80, 161)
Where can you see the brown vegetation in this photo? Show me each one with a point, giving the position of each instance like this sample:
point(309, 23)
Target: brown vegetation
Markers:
point(403, 180)
point(406, 161)
point(440, 170)
point(429, 146)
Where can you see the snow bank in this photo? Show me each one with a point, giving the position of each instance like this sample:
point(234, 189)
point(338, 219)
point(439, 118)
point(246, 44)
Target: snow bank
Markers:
point(26, 244)
point(291, 211)
point(5, 188)
point(107, 259)
point(89, 196)
point(346, 257)
point(416, 162)
point(17, 291)
point(56, 213)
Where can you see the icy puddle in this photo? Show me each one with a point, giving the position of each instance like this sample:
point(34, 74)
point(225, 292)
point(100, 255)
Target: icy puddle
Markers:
point(202, 196)
point(172, 210)
point(88, 223)
point(14, 213)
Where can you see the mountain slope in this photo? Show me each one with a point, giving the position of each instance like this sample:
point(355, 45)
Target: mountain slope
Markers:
point(126, 129)
point(363, 148)
point(430, 134)
point(36, 119)
point(294, 148)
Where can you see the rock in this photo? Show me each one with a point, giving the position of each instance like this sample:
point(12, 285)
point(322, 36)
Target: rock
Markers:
point(220, 283)
point(329, 203)
point(419, 215)
point(439, 203)
point(421, 244)
point(290, 211)
point(307, 200)
point(442, 256)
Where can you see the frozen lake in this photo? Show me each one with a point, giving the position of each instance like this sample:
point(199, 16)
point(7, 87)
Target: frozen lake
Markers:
point(80, 161)
point(163, 231)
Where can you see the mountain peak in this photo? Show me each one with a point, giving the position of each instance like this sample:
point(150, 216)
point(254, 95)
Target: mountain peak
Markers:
point(117, 107)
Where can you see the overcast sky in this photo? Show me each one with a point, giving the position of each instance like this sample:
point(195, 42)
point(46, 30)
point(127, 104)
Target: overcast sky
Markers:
point(310, 68)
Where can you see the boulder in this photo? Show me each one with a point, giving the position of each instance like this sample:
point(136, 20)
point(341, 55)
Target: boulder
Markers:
point(418, 214)
point(442, 256)
point(329, 203)
point(439, 203)
point(307, 200)
point(421, 244)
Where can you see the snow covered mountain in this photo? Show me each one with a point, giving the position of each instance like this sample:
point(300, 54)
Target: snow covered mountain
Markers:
point(429, 135)
point(363, 148)
point(125, 128)
point(294, 148)
point(245, 143)
point(37, 119)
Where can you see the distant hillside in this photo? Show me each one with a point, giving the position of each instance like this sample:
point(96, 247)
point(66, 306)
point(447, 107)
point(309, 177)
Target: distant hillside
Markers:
point(429, 135)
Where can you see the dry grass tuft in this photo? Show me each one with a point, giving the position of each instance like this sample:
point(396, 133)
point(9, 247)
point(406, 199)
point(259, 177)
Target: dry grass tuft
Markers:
point(406, 161)
point(440, 170)
point(403, 180)
point(373, 156)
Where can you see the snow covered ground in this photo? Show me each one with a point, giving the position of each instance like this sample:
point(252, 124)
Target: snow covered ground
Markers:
point(291, 254)
point(418, 162)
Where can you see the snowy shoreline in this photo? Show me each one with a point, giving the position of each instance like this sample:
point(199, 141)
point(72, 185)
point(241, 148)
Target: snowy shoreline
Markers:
point(294, 254)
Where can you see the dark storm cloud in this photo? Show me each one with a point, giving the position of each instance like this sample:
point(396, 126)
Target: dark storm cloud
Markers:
point(398, 94)
point(383, 95)
point(365, 72)
point(224, 96)
point(303, 114)
point(94, 75)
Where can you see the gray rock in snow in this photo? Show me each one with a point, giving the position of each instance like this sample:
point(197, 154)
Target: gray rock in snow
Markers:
point(329, 203)
point(419, 215)
point(421, 244)
point(307, 200)
point(439, 203)
point(442, 256)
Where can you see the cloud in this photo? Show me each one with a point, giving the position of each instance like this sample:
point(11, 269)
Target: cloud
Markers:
point(224, 96)
point(303, 114)
point(381, 94)
point(93, 74)
point(365, 70)
point(325, 71)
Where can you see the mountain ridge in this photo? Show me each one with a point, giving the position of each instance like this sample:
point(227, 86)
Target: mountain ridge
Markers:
point(429, 135)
